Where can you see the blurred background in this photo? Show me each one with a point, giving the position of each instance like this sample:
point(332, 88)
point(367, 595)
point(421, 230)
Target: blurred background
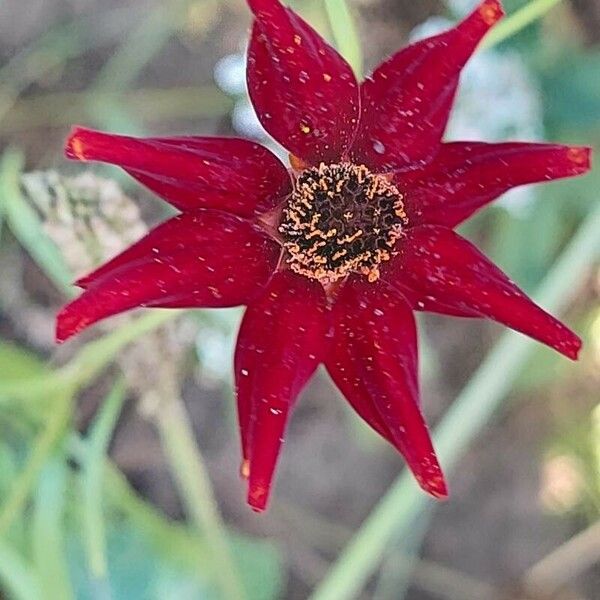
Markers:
point(119, 452)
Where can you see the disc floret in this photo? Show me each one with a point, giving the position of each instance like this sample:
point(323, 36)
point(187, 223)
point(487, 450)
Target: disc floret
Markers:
point(341, 219)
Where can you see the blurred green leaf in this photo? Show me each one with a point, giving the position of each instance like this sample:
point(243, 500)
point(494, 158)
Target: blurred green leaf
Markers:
point(59, 44)
point(18, 363)
point(124, 502)
point(88, 362)
point(10, 465)
point(17, 577)
point(524, 256)
point(93, 478)
point(141, 568)
point(45, 443)
point(47, 531)
point(260, 567)
point(18, 368)
point(137, 570)
point(195, 490)
point(578, 437)
point(177, 546)
point(26, 225)
point(571, 89)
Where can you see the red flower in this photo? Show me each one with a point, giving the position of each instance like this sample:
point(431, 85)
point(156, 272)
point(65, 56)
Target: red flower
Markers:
point(333, 256)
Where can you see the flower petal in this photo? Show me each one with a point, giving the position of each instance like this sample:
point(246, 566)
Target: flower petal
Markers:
point(437, 264)
point(406, 102)
point(230, 174)
point(281, 342)
point(374, 362)
point(467, 175)
point(203, 258)
point(304, 92)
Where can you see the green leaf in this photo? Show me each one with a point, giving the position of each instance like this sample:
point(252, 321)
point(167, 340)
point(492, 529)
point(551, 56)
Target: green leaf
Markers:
point(47, 531)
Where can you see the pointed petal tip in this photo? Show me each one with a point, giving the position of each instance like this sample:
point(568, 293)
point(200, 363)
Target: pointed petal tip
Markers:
point(566, 342)
point(433, 482)
point(63, 331)
point(580, 157)
point(571, 347)
point(74, 146)
point(68, 325)
point(490, 11)
point(258, 497)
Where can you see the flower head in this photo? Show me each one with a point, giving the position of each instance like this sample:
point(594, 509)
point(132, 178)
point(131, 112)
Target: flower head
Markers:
point(333, 255)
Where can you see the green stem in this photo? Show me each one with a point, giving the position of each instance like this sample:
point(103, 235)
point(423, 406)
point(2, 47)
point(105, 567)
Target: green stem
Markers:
point(196, 491)
point(91, 360)
point(512, 24)
point(472, 409)
point(95, 356)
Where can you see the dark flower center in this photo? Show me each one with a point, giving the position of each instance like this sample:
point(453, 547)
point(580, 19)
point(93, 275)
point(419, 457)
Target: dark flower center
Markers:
point(340, 219)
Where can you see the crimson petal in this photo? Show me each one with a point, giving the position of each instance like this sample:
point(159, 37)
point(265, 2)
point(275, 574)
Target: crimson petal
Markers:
point(374, 362)
point(280, 344)
point(230, 174)
point(406, 102)
point(467, 175)
point(203, 258)
point(438, 265)
point(304, 92)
